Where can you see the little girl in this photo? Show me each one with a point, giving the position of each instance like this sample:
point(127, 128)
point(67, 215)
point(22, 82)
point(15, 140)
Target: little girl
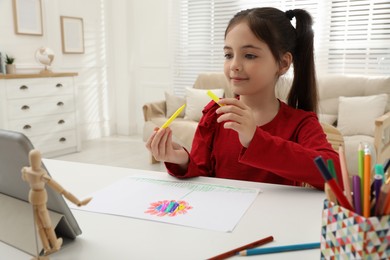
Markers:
point(257, 137)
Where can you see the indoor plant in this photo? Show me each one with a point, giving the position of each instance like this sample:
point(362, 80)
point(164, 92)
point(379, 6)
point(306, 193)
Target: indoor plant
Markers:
point(10, 66)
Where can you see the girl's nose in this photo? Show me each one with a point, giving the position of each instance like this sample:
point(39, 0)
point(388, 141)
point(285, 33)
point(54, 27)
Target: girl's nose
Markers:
point(235, 65)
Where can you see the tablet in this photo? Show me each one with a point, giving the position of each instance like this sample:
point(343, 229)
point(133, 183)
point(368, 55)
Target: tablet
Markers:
point(14, 151)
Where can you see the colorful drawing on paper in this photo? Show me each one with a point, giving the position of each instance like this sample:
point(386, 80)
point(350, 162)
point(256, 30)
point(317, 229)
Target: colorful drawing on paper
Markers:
point(169, 208)
point(174, 201)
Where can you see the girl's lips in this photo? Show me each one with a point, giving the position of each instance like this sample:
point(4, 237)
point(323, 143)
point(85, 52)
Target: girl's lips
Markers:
point(237, 79)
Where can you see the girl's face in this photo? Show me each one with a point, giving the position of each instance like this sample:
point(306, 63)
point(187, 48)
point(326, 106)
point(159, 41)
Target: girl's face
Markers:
point(249, 64)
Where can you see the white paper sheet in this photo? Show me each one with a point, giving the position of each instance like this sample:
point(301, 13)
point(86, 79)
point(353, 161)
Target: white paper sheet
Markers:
point(198, 205)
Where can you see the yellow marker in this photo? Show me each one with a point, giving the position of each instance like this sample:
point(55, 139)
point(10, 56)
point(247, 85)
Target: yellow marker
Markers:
point(169, 121)
point(213, 97)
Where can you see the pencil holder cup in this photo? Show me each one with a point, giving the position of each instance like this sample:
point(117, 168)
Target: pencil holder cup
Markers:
point(347, 235)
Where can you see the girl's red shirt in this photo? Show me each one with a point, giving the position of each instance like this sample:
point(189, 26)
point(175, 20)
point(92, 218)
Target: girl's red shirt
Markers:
point(281, 151)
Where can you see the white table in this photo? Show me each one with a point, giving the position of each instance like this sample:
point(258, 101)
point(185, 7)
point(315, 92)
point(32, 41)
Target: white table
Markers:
point(291, 214)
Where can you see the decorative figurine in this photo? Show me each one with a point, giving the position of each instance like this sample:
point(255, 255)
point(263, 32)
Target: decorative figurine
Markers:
point(37, 178)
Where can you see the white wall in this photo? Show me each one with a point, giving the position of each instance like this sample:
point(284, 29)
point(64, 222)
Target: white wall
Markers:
point(141, 58)
point(151, 59)
point(126, 61)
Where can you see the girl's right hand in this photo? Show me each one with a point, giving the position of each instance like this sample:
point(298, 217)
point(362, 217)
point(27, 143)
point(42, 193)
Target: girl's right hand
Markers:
point(162, 147)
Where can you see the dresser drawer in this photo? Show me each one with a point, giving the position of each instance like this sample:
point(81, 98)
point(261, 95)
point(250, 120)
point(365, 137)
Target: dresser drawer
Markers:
point(22, 108)
point(41, 125)
point(17, 88)
point(44, 108)
point(55, 142)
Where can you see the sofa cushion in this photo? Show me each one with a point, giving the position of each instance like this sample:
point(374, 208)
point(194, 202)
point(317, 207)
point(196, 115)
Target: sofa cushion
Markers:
point(173, 103)
point(331, 87)
point(357, 114)
point(326, 118)
point(196, 100)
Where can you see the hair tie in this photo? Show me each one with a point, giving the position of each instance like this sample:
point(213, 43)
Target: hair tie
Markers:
point(290, 14)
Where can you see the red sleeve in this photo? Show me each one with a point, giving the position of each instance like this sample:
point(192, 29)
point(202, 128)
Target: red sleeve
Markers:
point(292, 160)
point(202, 144)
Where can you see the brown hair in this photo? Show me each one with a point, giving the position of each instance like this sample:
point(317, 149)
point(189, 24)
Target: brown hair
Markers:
point(273, 27)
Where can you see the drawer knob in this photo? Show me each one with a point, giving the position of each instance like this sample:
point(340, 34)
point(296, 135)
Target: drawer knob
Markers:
point(62, 140)
point(26, 127)
point(60, 122)
point(60, 104)
point(23, 87)
point(25, 107)
point(59, 85)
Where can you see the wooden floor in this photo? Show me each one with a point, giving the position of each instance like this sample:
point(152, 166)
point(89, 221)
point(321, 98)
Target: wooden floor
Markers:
point(120, 151)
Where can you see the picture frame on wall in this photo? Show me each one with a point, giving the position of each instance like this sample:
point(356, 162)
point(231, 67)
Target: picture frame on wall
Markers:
point(72, 33)
point(28, 17)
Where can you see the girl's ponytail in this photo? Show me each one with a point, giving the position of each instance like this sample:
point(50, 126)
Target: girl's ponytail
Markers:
point(303, 92)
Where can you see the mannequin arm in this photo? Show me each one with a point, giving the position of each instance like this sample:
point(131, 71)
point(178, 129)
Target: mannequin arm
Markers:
point(58, 188)
point(24, 174)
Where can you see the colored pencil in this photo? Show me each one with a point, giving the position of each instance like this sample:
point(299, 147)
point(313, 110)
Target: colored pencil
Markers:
point(361, 168)
point(386, 210)
point(278, 249)
point(328, 179)
point(169, 121)
point(213, 97)
point(330, 194)
point(378, 179)
point(385, 207)
point(248, 246)
point(356, 194)
point(344, 173)
point(380, 205)
point(367, 182)
point(332, 170)
point(386, 165)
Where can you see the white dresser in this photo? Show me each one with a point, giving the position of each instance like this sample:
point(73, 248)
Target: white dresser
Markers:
point(43, 107)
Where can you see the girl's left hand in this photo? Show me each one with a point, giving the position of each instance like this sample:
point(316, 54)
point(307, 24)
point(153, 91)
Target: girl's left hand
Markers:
point(238, 117)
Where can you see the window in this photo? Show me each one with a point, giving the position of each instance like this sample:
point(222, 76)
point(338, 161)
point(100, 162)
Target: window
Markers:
point(351, 36)
point(359, 38)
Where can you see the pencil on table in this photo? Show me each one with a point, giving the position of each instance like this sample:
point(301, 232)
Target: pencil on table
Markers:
point(277, 249)
point(248, 246)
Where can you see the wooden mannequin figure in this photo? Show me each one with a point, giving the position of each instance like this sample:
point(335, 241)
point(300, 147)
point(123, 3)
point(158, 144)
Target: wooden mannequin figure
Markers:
point(37, 178)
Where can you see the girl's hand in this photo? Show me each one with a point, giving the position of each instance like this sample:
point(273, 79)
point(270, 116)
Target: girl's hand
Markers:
point(238, 117)
point(162, 147)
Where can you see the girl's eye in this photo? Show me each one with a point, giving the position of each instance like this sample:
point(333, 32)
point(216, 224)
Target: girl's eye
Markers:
point(228, 56)
point(250, 56)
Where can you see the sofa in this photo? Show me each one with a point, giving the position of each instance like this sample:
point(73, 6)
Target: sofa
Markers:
point(358, 106)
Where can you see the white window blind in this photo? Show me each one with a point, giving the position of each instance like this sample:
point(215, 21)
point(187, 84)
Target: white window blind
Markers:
point(351, 36)
point(357, 38)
